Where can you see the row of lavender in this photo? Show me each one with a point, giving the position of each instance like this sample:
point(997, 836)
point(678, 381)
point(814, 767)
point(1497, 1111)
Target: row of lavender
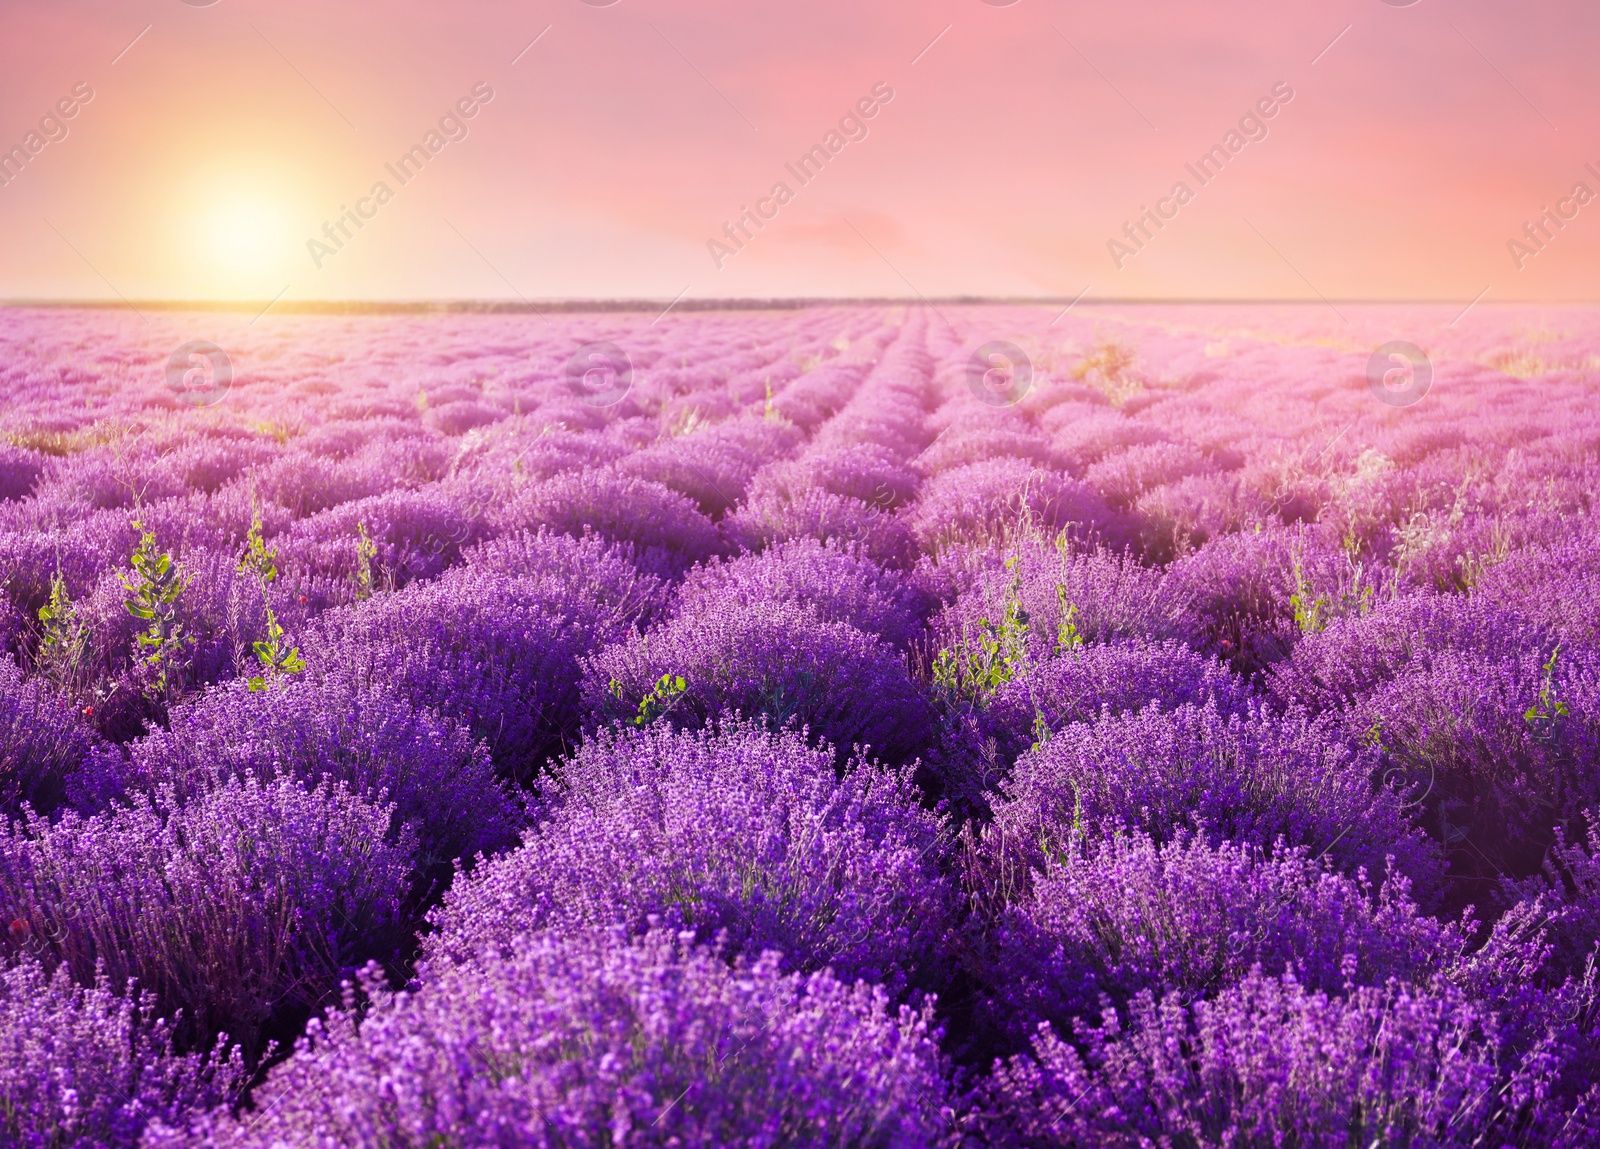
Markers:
point(799, 750)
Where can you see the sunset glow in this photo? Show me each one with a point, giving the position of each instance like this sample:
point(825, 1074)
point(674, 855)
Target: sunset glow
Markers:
point(627, 149)
point(245, 237)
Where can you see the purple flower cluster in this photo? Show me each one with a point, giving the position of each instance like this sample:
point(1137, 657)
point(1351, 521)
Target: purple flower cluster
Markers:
point(368, 737)
point(92, 1066)
point(1105, 679)
point(248, 900)
point(799, 748)
point(43, 740)
point(837, 584)
point(776, 660)
point(496, 653)
point(742, 836)
point(585, 1038)
point(1125, 915)
point(1270, 1061)
point(1254, 777)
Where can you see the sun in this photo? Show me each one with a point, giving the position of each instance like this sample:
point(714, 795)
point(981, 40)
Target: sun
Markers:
point(244, 236)
point(229, 223)
point(232, 222)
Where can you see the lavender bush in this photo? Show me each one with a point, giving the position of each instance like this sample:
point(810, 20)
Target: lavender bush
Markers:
point(583, 1039)
point(836, 583)
point(775, 660)
point(1270, 1061)
point(497, 654)
point(248, 900)
point(741, 835)
point(1112, 919)
point(1251, 777)
point(368, 737)
point(93, 1067)
point(1096, 679)
point(43, 740)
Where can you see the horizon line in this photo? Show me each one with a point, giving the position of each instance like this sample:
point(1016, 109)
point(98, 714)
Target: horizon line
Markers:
point(736, 303)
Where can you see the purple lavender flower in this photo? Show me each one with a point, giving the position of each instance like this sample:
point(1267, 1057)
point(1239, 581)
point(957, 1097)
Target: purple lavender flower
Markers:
point(92, 1067)
point(367, 736)
point(1124, 915)
point(1107, 596)
point(713, 466)
point(1106, 678)
point(819, 514)
point(1270, 1061)
point(605, 576)
point(498, 654)
point(585, 1039)
point(866, 471)
point(994, 499)
point(416, 535)
point(20, 469)
point(774, 660)
point(739, 834)
point(836, 583)
point(1251, 777)
point(43, 740)
point(248, 900)
point(667, 527)
point(1496, 750)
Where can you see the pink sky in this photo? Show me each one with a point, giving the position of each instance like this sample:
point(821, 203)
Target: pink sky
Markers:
point(1014, 148)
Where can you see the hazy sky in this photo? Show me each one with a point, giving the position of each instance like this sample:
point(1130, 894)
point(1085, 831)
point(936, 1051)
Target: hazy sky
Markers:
point(1019, 141)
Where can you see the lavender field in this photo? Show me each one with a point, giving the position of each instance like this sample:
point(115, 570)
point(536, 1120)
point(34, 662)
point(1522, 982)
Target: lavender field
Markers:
point(778, 729)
